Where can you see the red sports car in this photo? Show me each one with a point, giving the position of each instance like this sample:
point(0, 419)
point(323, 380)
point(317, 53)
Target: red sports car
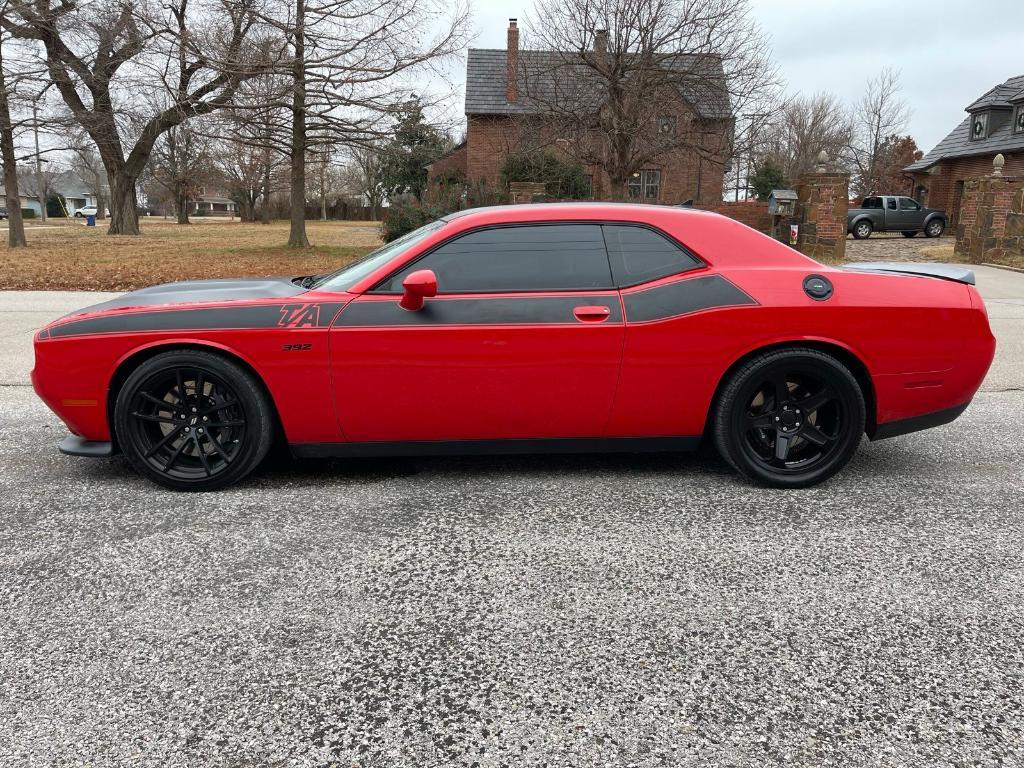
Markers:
point(560, 327)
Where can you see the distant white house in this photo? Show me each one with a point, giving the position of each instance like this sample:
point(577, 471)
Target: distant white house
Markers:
point(210, 201)
point(68, 185)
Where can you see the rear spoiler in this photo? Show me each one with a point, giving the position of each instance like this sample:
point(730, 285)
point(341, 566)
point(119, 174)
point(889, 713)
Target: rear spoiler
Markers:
point(942, 271)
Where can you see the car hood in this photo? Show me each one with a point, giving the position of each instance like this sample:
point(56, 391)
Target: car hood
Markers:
point(200, 291)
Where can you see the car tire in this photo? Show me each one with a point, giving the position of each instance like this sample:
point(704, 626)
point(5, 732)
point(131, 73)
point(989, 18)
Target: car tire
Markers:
point(789, 418)
point(78, 214)
point(935, 228)
point(910, 234)
point(862, 230)
point(216, 427)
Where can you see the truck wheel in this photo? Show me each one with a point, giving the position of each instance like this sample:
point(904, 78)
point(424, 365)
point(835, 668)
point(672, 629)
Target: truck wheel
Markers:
point(862, 230)
point(935, 228)
point(909, 234)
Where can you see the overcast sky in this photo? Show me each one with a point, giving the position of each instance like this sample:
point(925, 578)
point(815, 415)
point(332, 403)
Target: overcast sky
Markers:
point(948, 53)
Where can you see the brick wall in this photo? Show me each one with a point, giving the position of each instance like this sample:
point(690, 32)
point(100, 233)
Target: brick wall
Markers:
point(941, 186)
point(685, 174)
point(753, 213)
point(992, 220)
point(823, 200)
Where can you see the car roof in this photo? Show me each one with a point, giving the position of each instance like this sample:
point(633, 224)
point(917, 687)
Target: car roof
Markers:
point(584, 209)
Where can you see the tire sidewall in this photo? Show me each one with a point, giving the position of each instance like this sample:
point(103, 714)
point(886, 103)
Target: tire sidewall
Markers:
point(862, 230)
point(253, 401)
point(729, 430)
point(941, 227)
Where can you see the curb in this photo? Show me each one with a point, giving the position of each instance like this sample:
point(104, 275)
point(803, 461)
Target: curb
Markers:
point(1002, 266)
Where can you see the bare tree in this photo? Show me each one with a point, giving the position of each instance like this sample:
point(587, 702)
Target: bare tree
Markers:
point(181, 164)
point(348, 68)
point(103, 56)
point(627, 82)
point(87, 165)
point(879, 115)
point(792, 138)
point(363, 177)
point(15, 225)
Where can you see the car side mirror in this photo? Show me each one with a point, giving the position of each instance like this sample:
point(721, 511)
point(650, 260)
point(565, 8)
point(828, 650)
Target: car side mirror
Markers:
point(417, 286)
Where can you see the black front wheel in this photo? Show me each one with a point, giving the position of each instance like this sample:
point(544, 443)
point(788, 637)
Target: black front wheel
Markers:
point(193, 420)
point(935, 228)
point(790, 418)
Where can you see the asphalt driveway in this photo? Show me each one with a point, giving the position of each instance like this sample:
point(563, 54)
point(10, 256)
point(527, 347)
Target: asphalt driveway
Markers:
point(516, 611)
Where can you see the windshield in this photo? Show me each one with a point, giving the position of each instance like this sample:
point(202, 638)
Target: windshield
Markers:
point(346, 277)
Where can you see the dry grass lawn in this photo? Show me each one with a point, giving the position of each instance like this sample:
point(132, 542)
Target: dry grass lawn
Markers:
point(75, 257)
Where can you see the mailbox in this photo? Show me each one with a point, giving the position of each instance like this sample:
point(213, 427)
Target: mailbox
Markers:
point(782, 202)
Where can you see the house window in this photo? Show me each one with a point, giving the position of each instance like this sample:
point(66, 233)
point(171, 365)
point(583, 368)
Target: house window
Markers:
point(667, 125)
point(645, 184)
point(1018, 120)
point(979, 126)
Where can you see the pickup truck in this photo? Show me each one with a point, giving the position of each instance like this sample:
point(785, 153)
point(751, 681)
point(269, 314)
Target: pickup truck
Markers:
point(893, 213)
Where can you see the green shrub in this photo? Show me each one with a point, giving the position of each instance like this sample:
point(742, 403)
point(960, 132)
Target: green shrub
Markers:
point(403, 216)
point(28, 213)
point(563, 178)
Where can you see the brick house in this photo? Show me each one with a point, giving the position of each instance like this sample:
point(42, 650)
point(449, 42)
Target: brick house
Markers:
point(502, 117)
point(994, 124)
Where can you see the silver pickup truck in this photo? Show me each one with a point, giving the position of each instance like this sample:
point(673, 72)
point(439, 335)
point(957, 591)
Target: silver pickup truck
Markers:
point(892, 213)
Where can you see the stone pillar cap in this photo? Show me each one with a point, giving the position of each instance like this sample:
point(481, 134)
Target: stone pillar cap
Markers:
point(997, 164)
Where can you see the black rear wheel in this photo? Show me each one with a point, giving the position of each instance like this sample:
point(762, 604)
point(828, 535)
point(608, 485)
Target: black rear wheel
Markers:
point(193, 420)
point(862, 230)
point(790, 418)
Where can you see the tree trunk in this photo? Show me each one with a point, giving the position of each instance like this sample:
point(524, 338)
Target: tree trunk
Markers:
point(297, 194)
point(124, 216)
point(181, 201)
point(265, 212)
point(15, 226)
point(323, 204)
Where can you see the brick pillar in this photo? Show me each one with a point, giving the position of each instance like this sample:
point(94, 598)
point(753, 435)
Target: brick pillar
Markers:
point(991, 226)
point(823, 199)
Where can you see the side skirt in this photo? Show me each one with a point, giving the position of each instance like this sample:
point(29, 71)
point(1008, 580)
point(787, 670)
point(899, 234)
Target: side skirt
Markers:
point(917, 423)
point(497, 447)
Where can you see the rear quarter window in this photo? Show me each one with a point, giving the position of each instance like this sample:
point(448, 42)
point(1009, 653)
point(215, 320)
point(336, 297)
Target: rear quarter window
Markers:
point(639, 255)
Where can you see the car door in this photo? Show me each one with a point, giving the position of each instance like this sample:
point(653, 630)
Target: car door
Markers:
point(907, 217)
point(522, 341)
point(679, 324)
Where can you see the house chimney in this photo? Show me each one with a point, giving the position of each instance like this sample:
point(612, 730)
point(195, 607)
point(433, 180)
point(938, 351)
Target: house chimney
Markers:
point(601, 42)
point(512, 63)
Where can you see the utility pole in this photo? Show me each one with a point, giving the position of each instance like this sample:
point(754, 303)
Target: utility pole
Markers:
point(40, 184)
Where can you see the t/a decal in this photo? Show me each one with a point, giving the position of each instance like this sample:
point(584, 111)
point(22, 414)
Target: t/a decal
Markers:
point(299, 316)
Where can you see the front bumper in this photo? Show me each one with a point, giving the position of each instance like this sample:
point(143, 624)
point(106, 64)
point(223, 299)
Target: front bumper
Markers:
point(73, 445)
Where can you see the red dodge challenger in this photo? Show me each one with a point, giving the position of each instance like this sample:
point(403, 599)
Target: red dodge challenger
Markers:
point(560, 327)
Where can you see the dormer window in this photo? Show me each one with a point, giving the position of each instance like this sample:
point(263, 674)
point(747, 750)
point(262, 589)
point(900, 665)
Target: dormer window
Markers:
point(1018, 119)
point(979, 126)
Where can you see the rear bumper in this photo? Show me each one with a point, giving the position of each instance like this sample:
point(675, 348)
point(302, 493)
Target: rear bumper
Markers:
point(917, 423)
point(73, 445)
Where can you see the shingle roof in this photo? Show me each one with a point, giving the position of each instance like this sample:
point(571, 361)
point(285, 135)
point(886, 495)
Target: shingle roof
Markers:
point(549, 75)
point(1000, 139)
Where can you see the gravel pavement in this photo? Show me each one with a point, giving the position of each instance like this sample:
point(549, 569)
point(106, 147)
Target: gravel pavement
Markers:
point(558, 611)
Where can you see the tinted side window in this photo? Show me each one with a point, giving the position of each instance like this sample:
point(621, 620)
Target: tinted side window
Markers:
point(890, 203)
point(548, 257)
point(907, 204)
point(872, 202)
point(638, 254)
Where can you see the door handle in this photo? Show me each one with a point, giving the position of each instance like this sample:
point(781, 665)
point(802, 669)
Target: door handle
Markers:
point(592, 313)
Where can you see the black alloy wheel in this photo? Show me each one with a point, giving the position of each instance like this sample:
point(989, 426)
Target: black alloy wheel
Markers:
point(790, 418)
point(193, 420)
point(935, 228)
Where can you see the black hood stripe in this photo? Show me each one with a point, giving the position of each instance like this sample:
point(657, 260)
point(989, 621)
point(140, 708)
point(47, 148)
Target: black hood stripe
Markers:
point(262, 316)
point(526, 310)
point(683, 298)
